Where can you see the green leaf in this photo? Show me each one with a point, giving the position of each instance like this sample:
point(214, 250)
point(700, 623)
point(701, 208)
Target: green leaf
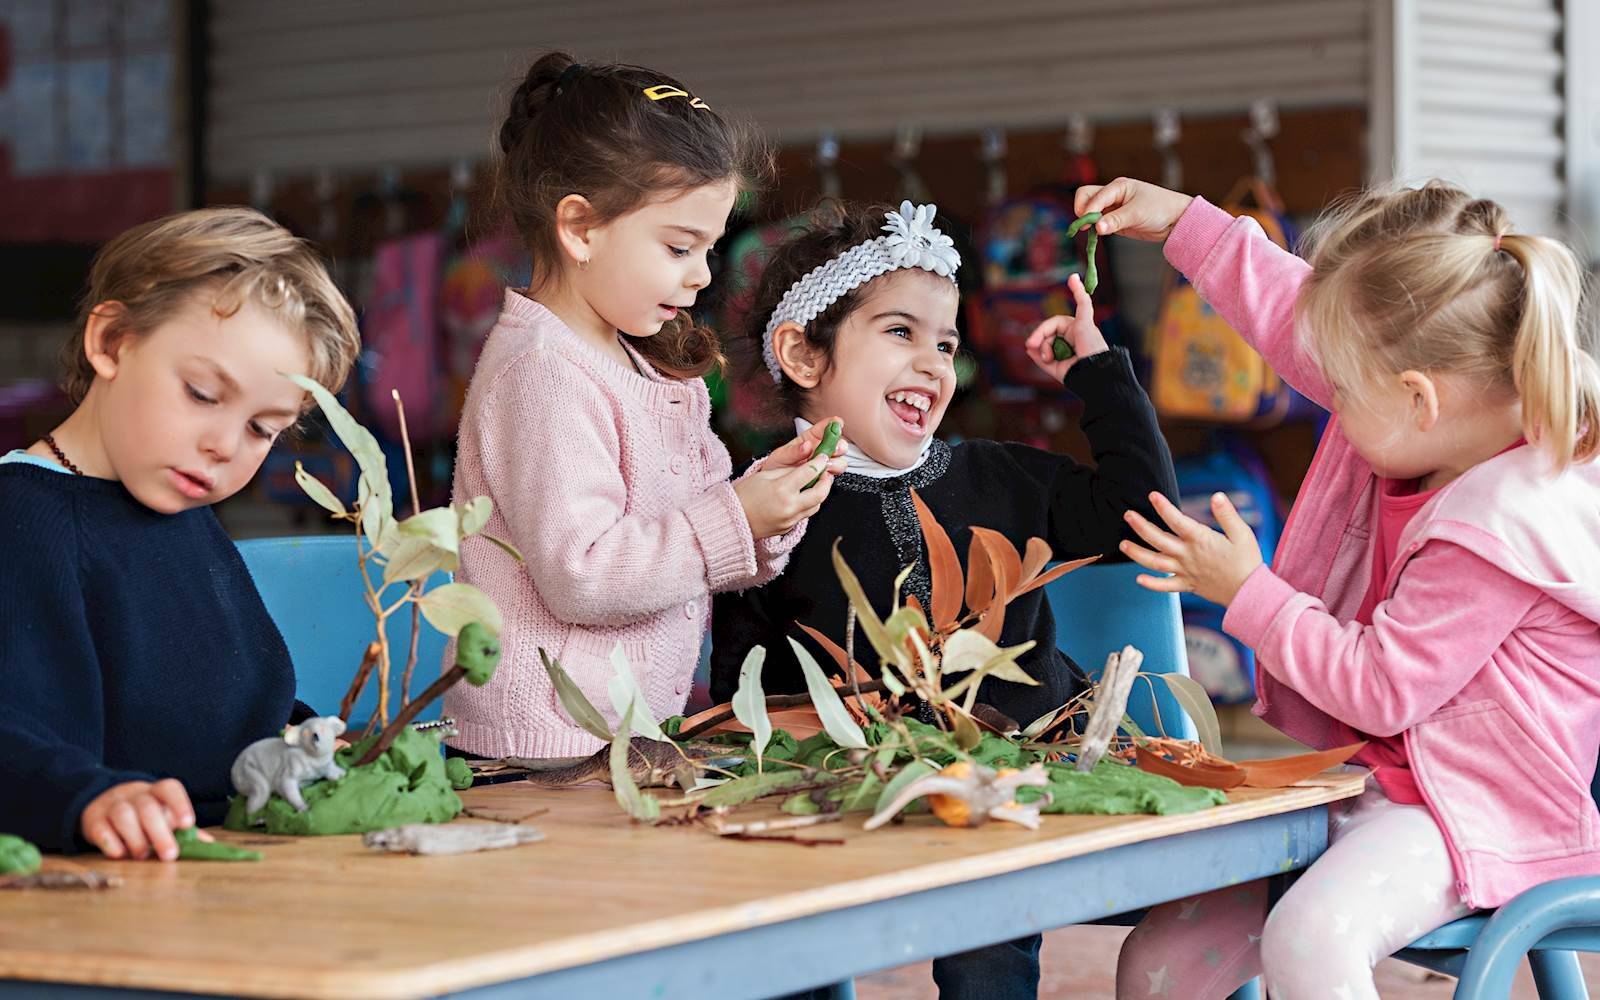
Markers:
point(750, 704)
point(900, 581)
point(573, 699)
point(892, 682)
point(625, 691)
point(368, 455)
point(1040, 724)
point(438, 526)
point(870, 623)
point(416, 559)
point(633, 802)
point(754, 786)
point(967, 650)
point(474, 514)
point(454, 605)
point(905, 776)
point(860, 796)
point(835, 717)
point(505, 546)
point(316, 491)
point(967, 733)
point(1194, 700)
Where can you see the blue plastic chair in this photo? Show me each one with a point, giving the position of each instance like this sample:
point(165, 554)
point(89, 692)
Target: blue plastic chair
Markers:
point(1098, 610)
point(311, 588)
point(1549, 924)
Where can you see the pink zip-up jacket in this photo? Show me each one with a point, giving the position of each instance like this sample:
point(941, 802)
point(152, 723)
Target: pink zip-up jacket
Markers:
point(614, 487)
point(1485, 653)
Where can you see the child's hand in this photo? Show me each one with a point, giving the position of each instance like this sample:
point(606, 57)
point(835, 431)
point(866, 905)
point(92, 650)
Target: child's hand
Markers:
point(1078, 330)
point(1201, 560)
point(1132, 208)
point(775, 498)
point(136, 818)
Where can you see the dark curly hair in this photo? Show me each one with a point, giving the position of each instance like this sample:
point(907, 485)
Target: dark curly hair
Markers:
point(592, 131)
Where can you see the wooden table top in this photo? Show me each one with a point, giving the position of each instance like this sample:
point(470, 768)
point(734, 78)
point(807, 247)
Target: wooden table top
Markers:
point(326, 917)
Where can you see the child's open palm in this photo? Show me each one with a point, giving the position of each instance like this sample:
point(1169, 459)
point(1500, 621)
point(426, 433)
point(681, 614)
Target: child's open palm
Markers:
point(1078, 330)
point(1207, 562)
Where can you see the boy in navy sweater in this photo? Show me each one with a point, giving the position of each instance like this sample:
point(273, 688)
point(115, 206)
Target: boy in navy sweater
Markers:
point(136, 658)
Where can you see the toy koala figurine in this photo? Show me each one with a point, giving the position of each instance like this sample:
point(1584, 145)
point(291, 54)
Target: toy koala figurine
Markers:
point(281, 764)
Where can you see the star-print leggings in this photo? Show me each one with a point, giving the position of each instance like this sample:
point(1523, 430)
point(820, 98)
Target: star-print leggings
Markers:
point(1385, 880)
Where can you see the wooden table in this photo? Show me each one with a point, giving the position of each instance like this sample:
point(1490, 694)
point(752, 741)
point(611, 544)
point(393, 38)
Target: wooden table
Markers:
point(603, 908)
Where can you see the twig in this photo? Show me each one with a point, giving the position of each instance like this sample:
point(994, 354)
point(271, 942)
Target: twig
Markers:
point(81, 879)
point(369, 659)
point(718, 826)
point(773, 701)
point(802, 841)
point(416, 585)
point(480, 814)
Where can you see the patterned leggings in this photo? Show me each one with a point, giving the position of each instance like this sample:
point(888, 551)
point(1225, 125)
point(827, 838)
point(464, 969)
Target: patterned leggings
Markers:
point(1385, 880)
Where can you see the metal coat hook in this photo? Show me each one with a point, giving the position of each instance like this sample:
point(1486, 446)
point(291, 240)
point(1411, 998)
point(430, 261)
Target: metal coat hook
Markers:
point(903, 157)
point(993, 155)
point(1263, 128)
point(1167, 132)
point(827, 163)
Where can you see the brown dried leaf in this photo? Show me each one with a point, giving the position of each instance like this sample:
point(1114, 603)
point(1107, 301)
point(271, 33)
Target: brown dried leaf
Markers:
point(980, 578)
point(1201, 775)
point(1009, 562)
point(1285, 771)
point(832, 649)
point(943, 565)
point(1033, 562)
point(1051, 575)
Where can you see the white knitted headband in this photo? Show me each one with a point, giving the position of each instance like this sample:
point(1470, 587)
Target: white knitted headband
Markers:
point(911, 242)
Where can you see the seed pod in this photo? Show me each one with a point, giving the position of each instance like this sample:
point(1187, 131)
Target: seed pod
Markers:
point(830, 441)
point(1091, 277)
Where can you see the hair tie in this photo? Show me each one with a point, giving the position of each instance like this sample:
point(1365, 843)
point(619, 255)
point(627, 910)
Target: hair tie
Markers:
point(567, 76)
point(1497, 238)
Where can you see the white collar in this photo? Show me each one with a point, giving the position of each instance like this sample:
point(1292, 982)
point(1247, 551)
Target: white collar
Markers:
point(858, 463)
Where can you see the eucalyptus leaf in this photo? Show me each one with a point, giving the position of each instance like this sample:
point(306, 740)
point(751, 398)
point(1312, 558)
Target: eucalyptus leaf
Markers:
point(505, 546)
point(439, 526)
point(871, 624)
point(835, 717)
point(905, 776)
point(453, 605)
point(750, 703)
point(625, 691)
point(1195, 701)
point(967, 733)
point(633, 802)
point(1040, 724)
point(900, 581)
point(573, 699)
point(368, 455)
point(474, 514)
point(316, 491)
point(417, 559)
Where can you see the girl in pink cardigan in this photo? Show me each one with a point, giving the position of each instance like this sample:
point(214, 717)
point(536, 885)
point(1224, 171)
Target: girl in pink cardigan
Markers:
point(586, 421)
point(1437, 589)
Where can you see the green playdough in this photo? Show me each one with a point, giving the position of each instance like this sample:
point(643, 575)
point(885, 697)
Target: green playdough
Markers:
point(17, 856)
point(1113, 789)
point(459, 773)
point(192, 848)
point(407, 784)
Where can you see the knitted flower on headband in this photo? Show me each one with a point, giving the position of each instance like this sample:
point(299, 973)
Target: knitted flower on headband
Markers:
point(913, 242)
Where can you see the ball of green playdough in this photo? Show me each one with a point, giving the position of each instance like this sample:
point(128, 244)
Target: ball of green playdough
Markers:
point(17, 856)
point(477, 652)
point(459, 773)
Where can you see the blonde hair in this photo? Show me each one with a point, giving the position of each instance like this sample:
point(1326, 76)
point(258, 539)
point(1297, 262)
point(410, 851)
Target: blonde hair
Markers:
point(1432, 279)
point(151, 271)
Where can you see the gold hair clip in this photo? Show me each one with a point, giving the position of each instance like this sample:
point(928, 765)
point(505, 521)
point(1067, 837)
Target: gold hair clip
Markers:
point(662, 91)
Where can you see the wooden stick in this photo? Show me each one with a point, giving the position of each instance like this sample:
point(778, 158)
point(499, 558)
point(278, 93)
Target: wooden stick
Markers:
point(721, 827)
point(409, 712)
point(416, 585)
point(369, 659)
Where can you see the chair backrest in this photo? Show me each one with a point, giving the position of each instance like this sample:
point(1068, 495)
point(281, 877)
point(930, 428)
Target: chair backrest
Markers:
point(312, 588)
point(1098, 610)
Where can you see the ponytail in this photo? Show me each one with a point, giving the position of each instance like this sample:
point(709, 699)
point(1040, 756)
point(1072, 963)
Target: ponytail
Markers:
point(1558, 381)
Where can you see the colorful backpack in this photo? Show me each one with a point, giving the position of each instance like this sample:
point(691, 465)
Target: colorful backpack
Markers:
point(1201, 368)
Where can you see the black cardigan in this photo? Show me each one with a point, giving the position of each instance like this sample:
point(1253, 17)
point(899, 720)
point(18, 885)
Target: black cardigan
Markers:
point(1019, 491)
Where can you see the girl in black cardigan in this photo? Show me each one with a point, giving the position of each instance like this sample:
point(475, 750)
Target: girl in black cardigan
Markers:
point(857, 323)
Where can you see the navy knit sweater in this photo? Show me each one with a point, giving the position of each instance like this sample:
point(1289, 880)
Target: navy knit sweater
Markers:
point(133, 646)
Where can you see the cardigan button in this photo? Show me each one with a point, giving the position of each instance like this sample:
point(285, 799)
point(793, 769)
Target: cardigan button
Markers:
point(689, 610)
point(676, 465)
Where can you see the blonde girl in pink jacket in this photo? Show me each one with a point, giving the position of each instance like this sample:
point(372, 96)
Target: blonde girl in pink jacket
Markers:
point(587, 422)
point(1437, 589)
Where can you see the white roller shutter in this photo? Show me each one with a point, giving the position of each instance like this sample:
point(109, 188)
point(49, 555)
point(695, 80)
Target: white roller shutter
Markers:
point(299, 85)
point(1477, 98)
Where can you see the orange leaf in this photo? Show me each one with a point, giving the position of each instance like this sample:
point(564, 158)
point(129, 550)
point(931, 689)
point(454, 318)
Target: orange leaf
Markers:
point(1033, 561)
point(943, 565)
point(1201, 775)
point(1285, 771)
point(699, 717)
point(799, 722)
point(833, 650)
point(1006, 558)
point(981, 588)
point(1052, 575)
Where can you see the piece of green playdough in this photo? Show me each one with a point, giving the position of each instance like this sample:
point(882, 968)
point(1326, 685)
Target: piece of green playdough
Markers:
point(459, 773)
point(192, 848)
point(477, 652)
point(17, 856)
point(1113, 789)
point(407, 784)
